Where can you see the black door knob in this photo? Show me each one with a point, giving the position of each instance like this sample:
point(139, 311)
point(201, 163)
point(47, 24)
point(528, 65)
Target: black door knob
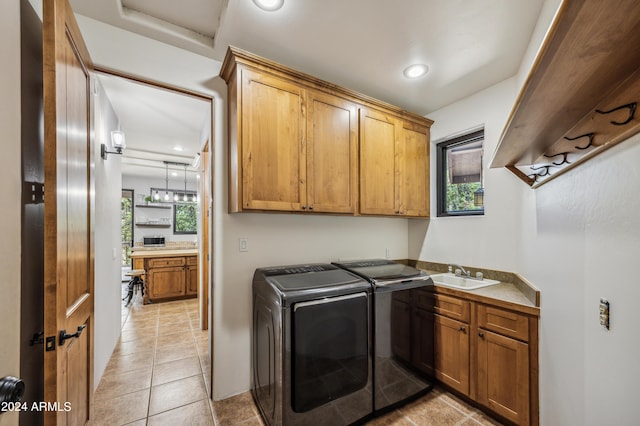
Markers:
point(11, 389)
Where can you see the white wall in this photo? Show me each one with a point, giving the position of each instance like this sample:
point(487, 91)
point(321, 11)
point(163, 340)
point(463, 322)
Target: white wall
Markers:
point(581, 240)
point(11, 184)
point(489, 241)
point(107, 285)
point(140, 186)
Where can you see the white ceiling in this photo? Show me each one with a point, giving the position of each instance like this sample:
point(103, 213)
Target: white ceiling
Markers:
point(155, 122)
point(363, 45)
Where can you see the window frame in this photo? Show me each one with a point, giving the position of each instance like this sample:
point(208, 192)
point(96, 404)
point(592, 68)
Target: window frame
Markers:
point(175, 210)
point(441, 170)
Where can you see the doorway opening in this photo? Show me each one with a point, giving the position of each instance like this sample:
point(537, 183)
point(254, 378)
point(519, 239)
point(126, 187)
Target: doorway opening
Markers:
point(159, 160)
point(126, 230)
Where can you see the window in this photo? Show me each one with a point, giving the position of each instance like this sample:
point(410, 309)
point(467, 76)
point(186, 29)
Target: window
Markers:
point(459, 175)
point(184, 218)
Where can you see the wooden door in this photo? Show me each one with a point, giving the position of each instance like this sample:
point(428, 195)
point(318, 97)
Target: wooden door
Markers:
point(332, 154)
point(503, 376)
point(273, 149)
point(378, 133)
point(452, 353)
point(69, 217)
point(413, 170)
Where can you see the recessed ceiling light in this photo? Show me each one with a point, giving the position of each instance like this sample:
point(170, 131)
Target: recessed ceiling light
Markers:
point(177, 148)
point(415, 71)
point(269, 5)
point(174, 173)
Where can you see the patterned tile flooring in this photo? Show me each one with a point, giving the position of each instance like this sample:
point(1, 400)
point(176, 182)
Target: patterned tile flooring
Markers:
point(158, 375)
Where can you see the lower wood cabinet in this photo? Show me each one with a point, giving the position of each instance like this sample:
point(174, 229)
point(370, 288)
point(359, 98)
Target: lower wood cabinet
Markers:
point(452, 353)
point(171, 277)
point(503, 376)
point(192, 276)
point(166, 282)
point(488, 354)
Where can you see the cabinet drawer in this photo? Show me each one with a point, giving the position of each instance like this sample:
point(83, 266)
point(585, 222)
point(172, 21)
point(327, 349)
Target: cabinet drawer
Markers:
point(504, 322)
point(165, 261)
point(192, 260)
point(452, 307)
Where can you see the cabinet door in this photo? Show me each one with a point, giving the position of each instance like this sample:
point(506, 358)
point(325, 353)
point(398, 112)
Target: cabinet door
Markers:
point(332, 154)
point(401, 329)
point(503, 376)
point(166, 282)
point(273, 157)
point(191, 277)
point(378, 133)
point(422, 342)
point(452, 353)
point(413, 170)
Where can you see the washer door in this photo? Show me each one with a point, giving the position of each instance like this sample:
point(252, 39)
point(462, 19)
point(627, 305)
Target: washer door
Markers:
point(330, 349)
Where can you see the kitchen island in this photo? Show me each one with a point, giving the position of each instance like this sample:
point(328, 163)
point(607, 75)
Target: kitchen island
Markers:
point(171, 273)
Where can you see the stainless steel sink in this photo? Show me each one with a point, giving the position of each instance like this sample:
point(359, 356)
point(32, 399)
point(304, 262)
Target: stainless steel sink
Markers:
point(455, 281)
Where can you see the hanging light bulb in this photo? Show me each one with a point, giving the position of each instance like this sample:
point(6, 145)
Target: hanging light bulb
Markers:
point(156, 196)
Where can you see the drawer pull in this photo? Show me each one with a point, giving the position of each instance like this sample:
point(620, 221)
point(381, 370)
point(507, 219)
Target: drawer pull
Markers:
point(481, 334)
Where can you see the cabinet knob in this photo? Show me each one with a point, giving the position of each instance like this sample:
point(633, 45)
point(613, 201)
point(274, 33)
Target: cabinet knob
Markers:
point(463, 328)
point(311, 207)
point(304, 207)
point(481, 334)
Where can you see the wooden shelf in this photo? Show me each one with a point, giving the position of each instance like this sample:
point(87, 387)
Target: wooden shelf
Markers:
point(154, 225)
point(153, 206)
point(581, 95)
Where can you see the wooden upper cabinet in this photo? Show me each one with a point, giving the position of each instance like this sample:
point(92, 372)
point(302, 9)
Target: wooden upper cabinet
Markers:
point(296, 144)
point(332, 154)
point(378, 133)
point(413, 170)
point(394, 165)
point(272, 143)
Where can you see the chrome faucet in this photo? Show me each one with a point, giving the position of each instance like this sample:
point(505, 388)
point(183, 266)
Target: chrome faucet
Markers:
point(464, 272)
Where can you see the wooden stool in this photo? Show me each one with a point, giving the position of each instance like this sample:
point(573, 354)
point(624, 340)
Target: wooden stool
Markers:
point(136, 283)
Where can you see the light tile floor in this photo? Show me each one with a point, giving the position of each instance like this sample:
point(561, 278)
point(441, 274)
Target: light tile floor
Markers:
point(158, 375)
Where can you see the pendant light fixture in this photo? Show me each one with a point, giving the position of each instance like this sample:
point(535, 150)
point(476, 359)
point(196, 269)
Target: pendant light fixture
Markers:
point(166, 182)
point(184, 197)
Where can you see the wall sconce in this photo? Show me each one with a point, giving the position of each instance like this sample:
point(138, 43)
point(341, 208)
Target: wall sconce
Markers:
point(117, 141)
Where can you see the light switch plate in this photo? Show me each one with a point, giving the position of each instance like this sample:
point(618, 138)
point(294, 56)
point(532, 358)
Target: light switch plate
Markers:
point(243, 244)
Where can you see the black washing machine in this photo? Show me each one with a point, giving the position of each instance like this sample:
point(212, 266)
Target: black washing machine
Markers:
point(311, 345)
point(403, 367)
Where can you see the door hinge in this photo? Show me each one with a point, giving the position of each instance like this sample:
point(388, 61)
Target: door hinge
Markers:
point(32, 193)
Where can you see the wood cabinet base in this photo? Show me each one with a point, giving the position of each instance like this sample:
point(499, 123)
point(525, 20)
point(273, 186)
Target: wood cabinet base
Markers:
point(489, 356)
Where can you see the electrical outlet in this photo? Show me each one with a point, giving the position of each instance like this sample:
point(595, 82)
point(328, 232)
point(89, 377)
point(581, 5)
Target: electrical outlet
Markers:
point(604, 313)
point(243, 244)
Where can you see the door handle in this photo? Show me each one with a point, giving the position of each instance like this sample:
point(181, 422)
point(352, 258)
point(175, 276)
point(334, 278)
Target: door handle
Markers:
point(64, 335)
point(11, 389)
